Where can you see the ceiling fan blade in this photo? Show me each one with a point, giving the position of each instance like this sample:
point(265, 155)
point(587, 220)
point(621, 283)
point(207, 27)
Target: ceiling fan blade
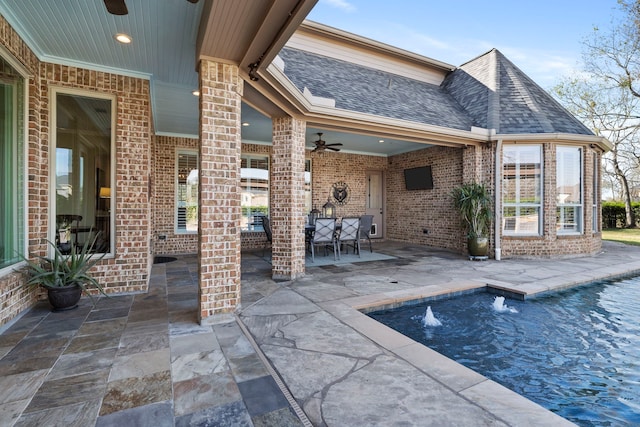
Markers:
point(116, 7)
point(193, 1)
point(332, 148)
point(336, 144)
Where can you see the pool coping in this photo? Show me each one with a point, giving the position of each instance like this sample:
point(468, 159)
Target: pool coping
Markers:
point(503, 403)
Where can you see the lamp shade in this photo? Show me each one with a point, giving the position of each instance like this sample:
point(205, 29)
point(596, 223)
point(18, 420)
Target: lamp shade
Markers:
point(105, 192)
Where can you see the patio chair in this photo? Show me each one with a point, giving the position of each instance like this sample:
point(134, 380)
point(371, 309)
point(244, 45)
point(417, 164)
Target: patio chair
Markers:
point(366, 222)
point(325, 235)
point(349, 233)
point(72, 224)
point(266, 226)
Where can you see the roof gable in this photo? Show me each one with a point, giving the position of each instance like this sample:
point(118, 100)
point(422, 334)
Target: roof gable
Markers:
point(498, 95)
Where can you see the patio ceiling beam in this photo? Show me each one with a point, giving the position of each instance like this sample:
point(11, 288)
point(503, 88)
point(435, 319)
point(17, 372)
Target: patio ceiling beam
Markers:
point(245, 32)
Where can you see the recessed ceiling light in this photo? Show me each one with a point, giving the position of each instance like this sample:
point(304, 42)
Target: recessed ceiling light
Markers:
point(380, 141)
point(123, 38)
point(196, 93)
point(245, 124)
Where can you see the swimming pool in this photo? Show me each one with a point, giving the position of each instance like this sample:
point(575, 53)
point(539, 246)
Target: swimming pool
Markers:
point(577, 353)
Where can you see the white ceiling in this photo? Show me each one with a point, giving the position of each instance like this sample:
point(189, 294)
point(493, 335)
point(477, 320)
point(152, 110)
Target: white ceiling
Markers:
point(164, 32)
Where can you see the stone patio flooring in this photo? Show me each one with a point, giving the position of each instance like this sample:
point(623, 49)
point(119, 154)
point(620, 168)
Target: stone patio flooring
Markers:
point(298, 353)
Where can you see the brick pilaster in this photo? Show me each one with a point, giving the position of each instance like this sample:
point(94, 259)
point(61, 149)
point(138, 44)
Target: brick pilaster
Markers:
point(472, 164)
point(287, 198)
point(219, 198)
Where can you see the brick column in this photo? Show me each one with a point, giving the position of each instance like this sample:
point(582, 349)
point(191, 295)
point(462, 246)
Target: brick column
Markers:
point(471, 164)
point(219, 198)
point(287, 198)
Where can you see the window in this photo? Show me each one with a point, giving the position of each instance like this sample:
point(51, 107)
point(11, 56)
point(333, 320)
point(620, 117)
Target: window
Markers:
point(522, 189)
point(254, 176)
point(595, 220)
point(12, 160)
point(83, 193)
point(308, 200)
point(187, 192)
point(568, 190)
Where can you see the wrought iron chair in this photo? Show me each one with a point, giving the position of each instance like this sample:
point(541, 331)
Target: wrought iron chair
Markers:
point(349, 233)
point(71, 223)
point(324, 234)
point(366, 222)
point(266, 225)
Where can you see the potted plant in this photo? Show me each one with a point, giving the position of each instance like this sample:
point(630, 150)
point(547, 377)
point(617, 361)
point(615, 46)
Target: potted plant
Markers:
point(474, 203)
point(65, 277)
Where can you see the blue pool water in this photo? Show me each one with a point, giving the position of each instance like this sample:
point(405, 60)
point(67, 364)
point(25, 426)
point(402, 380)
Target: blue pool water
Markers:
point(577, 353)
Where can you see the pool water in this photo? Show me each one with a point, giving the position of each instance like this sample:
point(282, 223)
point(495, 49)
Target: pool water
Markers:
point(577, 353)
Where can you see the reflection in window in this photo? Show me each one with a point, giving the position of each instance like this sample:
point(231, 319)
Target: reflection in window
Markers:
point(82, 164)
point(254, 175)
point(568, 190)
point(187, 192)
point(522, 189)
point(12, 148)
point(308, 200)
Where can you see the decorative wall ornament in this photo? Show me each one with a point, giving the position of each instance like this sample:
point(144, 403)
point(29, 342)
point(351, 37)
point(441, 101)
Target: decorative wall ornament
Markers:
point(340, 192)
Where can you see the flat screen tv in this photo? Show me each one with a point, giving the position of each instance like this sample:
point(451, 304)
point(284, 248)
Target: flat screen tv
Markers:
point(418, 178)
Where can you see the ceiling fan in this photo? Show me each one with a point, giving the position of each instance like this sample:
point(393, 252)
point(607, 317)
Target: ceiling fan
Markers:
point(322, 145)
point(119, 7)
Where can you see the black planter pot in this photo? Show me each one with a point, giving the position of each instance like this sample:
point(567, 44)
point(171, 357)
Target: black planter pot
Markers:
point(64, 298)
point(478, 246)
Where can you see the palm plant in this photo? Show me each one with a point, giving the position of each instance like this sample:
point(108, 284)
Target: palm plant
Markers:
point(474, 203)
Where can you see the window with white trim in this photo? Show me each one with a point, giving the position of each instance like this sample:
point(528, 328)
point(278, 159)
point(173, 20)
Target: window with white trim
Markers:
point(82, 171)
point(254, 177)
point(569, 190)
point(186, 191)
point(521, 189)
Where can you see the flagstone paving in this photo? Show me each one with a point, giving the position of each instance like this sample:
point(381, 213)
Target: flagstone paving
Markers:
point(298, 353)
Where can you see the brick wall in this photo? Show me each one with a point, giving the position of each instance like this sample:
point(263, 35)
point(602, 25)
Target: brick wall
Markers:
point(410, 212)
point(128, 271)
point(329, 167)
point(164, 200)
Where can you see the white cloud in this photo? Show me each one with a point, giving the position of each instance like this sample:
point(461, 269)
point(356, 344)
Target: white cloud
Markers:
point(340, 4)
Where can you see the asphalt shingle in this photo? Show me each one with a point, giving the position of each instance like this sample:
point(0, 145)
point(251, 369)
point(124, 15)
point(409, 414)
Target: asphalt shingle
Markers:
point(488, 92)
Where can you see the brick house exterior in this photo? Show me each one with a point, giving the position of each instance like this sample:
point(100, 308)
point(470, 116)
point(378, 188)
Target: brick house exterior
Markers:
point(459, 118)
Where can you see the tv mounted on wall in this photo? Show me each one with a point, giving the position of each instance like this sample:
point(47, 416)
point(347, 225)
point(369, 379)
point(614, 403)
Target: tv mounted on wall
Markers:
point(418, 178)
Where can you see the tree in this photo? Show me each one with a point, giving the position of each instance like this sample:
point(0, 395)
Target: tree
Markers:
point(610, 112)
point(614, 56)
point(607, 96)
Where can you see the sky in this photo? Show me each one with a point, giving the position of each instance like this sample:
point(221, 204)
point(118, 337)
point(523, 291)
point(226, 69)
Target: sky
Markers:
point(544, 38)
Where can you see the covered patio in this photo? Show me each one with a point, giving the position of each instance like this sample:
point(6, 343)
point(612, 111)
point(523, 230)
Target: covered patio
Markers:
point(144, 360)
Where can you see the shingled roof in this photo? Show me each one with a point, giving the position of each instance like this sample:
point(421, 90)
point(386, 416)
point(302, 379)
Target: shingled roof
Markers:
point(498, 95)
point(488, 92)
point(367, 90)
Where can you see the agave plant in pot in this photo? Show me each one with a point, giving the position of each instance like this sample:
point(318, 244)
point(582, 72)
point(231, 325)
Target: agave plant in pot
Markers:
point(473, 201)
point(65, 277)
